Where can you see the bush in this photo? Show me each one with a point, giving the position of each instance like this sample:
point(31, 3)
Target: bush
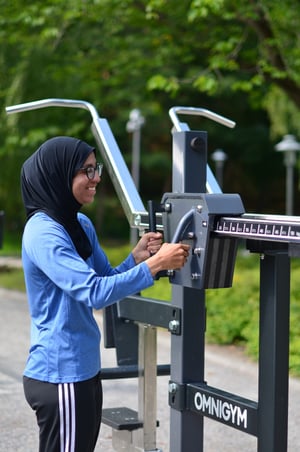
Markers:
point(230, 312)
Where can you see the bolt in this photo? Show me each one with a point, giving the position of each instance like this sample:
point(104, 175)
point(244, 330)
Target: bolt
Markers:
point(191, 235)
point(173, 325)
point(168, 207)
point(170, 272)
point(197, 251)
point(198, 144)
point(199, 208)
point(172, 388)
point(196, 275)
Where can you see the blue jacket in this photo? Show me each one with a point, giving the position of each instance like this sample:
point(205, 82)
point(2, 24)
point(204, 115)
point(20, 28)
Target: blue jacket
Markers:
point(62, 291)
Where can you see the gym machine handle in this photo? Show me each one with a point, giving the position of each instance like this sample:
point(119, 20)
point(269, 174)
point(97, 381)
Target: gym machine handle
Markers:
point(154, 207)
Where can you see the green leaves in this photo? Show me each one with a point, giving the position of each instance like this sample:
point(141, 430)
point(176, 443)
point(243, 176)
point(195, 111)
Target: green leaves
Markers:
point(206, 84)
point(159, 82)
point(121, 54)
point(201, 9)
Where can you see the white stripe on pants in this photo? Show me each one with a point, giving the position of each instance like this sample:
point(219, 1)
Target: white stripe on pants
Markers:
point(67, 414)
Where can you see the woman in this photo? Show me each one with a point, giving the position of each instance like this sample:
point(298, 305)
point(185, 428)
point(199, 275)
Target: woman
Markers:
point(67, 275)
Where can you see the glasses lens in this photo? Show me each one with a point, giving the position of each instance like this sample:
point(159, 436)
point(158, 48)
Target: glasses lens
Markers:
point(90, 172)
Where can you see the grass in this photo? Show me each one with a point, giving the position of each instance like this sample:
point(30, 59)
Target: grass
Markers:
point(12, 278)
point(232, 314)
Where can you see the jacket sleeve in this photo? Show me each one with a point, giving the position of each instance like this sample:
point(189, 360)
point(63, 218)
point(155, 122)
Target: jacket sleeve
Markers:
point(47, 246)
point(99, 260)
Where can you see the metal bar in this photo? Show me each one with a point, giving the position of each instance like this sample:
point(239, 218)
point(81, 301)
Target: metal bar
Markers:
point(131, 371)
point(274, 352)
point(149, 311)
point(187, 365)
point(187, 349)
point(53, 102)
point(174, 111)
point(146, 437)
point(119, 173)
point(110, 152)
point(195, 150)
point(212, 185)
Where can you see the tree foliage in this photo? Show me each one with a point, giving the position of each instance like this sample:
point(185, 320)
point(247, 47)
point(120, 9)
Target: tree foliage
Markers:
point(253, 45)
point(239, 58)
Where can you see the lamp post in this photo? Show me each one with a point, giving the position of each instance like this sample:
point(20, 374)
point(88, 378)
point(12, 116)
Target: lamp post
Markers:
point(289, 146)
point(219, 157)
point(134, 125)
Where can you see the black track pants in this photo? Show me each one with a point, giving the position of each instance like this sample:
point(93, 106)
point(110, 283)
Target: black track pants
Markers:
point(68, 414)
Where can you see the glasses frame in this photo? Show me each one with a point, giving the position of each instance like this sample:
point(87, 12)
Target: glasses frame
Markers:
point(90, 171)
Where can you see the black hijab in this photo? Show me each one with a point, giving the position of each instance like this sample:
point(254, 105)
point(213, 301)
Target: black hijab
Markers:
point(46, 184)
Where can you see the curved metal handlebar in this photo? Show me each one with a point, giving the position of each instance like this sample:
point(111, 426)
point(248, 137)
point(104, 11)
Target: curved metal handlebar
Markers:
point(129, 197)
point(122, 180)
point(197, 112)
point(44, 103)
point(212, 185)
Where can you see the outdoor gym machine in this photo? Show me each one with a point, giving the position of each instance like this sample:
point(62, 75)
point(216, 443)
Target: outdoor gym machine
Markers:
point(196, 211)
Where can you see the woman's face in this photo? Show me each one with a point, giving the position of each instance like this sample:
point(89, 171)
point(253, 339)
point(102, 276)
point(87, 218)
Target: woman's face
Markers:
point(83, 188)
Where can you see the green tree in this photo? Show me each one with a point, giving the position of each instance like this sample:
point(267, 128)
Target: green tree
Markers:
point(238, 58)
point(249, 45)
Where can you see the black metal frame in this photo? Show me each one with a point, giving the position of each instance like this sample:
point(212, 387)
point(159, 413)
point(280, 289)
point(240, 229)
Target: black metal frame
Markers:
point(185, 317)
point(267, 418)
point(190, 397)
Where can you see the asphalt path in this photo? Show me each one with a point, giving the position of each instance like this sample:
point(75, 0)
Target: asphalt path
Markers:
point(226, 368)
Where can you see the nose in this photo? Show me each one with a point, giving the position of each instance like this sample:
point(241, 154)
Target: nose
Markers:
point(97, 178)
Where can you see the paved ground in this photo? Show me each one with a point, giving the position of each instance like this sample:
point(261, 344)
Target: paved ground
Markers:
point(226, 368)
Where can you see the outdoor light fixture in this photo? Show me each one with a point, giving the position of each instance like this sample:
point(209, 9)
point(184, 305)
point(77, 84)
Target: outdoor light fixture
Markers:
point(134, 125)
point(289, 146)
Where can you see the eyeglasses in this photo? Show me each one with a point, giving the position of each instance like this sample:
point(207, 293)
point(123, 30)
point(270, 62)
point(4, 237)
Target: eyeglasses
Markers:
point(90, 171)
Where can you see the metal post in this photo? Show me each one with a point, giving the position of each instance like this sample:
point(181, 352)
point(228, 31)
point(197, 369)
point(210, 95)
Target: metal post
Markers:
point(187, 365)
point(146, 437)
point(274, 352)
point(134, 125)
point(187, 349)
point(289, 146)
point(289, 161)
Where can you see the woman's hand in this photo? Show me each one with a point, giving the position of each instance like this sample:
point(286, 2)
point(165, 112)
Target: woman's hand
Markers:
point(148, 245)
point(171, 256)
point(167, 256)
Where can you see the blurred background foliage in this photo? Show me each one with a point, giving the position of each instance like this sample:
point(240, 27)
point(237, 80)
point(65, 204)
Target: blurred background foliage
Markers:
point(238, 58)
